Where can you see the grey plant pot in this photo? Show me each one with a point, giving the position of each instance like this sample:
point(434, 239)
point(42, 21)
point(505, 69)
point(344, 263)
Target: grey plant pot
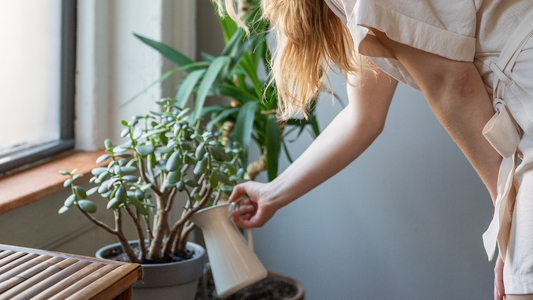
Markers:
point(170, 281)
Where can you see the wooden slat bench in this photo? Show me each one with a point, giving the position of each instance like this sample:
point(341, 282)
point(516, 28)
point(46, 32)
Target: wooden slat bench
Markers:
point(37, 274)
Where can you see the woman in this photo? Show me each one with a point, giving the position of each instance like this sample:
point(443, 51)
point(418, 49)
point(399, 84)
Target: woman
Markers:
point(469, 58)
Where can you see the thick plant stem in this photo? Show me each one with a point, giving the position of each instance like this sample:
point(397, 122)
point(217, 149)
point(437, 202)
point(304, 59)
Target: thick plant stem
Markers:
point(184, 235)
point(256, 167)
point(122, 239)
point(140, 234)
point(179, 224)
point(160, 230)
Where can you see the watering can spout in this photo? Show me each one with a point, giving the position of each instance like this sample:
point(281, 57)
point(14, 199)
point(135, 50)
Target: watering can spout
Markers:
point(233, 262)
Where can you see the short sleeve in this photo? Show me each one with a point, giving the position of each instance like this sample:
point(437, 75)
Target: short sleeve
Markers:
point(445, 28)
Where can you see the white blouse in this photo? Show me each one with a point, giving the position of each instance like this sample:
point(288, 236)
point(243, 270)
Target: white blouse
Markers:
point(474, 30)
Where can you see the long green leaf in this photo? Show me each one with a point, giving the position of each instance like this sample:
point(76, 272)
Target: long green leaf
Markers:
point(212, 109)
point(207, 57)
point(244, 127)
point(314, 126)
point(228, 25)
point(236, 93)
point(221, 116)
point(210, 76)
point(186, 88)
point(163, 77)
point(287, 152)
point(273, 146)
point(170, 53)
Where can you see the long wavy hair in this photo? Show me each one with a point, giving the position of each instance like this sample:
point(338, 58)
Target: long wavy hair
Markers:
point(309, 38)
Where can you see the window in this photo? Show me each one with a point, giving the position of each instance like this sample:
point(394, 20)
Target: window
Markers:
point(37, 77)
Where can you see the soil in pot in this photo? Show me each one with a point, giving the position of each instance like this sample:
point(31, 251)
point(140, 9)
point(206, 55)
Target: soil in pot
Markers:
point(119, 255)
point(271, 288)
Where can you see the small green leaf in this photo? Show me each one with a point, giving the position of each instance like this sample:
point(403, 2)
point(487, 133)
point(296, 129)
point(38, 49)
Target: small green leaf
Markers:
point(130, 178)
point(144, 150)
point(173, 162)
point(77, 176)
point(200, 167)
point(104, 187)
point(173, 177)
point(123, 122)
point(128, 170)
point(80, 192)
point(70, 200)
point(92, 191)
point(200, 151)
point(123, 154)
point(180, 185)
point(87, 205)
point(62, 210)
point(139, 195)
point(164, 150)
point(121, 194)
point(191, 183)
point(113, 203)
point(98, 171)
point(68, 182)
point(62, 172)
point(227, 188)
point(111, 182)
point(218, 153)
point(197, 197)
point(108, 144)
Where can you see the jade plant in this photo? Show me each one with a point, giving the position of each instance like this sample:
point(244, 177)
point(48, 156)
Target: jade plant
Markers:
point(241, 73)
point(168, 156)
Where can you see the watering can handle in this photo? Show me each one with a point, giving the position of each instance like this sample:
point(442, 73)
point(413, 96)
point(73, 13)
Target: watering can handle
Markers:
point(249, 236)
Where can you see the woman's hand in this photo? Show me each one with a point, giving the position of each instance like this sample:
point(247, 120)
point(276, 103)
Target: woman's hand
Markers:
point(257, 209)
point(499, 290)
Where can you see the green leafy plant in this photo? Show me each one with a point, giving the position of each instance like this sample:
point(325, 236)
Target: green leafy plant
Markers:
point(236, 74)
point(168, 155)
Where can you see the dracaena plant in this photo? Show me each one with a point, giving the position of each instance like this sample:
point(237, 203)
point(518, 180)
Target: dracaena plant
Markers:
point(168, 155)
point(236, 74)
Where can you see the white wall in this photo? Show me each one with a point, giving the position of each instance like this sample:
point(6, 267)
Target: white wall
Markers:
point(404, 221)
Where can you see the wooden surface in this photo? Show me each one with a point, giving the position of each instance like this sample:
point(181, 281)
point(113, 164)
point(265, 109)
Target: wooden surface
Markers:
point(33, 184)
point(37, 274)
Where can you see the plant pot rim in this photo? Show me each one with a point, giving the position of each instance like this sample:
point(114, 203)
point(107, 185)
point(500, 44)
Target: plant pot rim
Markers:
point(299, 286)
point(167, 274)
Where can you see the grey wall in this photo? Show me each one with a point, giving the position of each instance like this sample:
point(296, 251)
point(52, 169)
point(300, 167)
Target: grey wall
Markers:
point(404, 221)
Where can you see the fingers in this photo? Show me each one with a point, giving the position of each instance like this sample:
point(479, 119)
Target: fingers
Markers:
point(238, 191)
point(499, 290)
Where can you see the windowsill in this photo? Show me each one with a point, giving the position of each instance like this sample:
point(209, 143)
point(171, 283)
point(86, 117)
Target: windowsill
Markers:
point(31, 185)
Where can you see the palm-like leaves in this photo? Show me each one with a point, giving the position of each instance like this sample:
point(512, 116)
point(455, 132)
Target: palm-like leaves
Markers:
point(234, 74)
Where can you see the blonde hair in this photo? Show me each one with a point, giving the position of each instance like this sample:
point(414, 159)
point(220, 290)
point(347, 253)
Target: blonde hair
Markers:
point(309, 38)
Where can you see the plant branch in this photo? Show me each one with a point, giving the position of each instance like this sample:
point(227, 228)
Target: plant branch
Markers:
point(177, 226)
point(98, 222)
point(140, 234)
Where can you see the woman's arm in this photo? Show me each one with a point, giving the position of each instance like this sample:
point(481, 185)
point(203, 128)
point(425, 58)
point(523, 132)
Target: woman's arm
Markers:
point(460, 101)
point(458, 97)
point(346, 137)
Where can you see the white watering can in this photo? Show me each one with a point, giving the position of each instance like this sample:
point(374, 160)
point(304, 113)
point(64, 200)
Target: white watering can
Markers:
point(233, 261)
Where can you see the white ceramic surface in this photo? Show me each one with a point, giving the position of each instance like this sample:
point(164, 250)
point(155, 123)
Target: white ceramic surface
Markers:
point(233, 262)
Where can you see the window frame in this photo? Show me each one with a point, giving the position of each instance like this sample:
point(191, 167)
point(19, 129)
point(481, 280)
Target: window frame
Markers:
point(20, 158)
